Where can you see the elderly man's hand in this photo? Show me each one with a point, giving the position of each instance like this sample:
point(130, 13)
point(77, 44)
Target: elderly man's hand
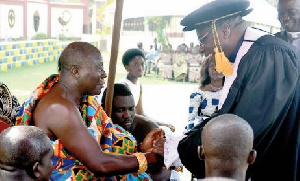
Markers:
point(154, 142)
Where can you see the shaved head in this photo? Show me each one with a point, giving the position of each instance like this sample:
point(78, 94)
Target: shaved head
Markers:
point(227, 144)
point(76, 54)
point(228, 136)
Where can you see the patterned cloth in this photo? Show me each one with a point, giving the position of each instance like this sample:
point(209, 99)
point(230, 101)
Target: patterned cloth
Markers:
point(9, 105)
point(111, 138)
point(202, 105)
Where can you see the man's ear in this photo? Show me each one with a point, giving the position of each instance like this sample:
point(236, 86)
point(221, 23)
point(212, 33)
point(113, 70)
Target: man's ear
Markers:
point(36, 169)
point(252, 157)
point(201, 153)
point(226, 30)
point(75, 71)
point(126, 67)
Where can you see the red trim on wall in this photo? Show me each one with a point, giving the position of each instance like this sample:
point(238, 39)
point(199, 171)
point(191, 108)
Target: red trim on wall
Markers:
point(10, 2)
point(49, 18)
point(70, 6)
point(25, 19)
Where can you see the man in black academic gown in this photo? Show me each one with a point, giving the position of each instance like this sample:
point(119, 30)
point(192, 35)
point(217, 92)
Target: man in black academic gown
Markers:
point(262, 85)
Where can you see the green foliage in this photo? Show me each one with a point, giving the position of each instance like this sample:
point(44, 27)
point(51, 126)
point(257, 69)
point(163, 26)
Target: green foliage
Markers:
point(105, 29)
point(159, 24)
point(18, 39)
point(40, 36)
point(67, 38)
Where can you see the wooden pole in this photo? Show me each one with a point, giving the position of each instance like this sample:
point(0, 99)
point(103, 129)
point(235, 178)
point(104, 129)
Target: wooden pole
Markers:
point(113, 56)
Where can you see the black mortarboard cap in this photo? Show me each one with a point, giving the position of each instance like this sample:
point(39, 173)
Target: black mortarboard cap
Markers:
point(218, 9)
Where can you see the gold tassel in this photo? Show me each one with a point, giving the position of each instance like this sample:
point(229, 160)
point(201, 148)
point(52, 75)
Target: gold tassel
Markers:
point(218, 60)
point(222, 63)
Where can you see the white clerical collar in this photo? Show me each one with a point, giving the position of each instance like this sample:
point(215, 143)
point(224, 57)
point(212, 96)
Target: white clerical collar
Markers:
point(294, 35)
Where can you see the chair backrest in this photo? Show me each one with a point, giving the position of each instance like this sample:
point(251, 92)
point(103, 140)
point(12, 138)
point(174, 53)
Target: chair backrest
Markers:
point(9, 107)
point(3, 125)
point(5, 122)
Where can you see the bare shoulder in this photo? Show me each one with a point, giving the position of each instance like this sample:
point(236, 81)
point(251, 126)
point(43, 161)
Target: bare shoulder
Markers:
point(55, 112)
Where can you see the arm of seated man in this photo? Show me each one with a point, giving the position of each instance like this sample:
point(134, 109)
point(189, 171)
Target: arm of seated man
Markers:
point(63, 121)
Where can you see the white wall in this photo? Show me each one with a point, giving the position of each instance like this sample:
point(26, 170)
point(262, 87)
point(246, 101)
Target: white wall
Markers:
point(74, 28)
point(17, 30)
point(43, 12)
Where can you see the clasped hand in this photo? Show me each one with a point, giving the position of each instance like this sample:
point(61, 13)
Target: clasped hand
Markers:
point(154, 142)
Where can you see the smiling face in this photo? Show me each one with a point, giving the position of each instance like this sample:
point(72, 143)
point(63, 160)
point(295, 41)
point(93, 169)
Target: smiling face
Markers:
point(136, 67)
point(93, 75)
point(123, 111)
point(289, 14)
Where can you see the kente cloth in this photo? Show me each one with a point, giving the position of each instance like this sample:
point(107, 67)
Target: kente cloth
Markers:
point(111, 138)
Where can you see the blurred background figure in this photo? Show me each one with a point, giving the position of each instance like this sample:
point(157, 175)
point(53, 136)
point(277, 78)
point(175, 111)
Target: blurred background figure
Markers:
point(195, 60)
point(289, 17)
point(180, 66)
point(150, 59)
point(164, 63)
point(189, 50)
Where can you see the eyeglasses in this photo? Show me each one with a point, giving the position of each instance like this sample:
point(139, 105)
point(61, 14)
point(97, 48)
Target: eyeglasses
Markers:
point(290, 12)
point(202, 39)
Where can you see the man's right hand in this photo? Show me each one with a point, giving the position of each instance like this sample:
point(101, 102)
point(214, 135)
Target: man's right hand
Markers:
point(154, 142)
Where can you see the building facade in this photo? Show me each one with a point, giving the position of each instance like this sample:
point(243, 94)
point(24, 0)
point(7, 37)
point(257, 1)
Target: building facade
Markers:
point(25, 19)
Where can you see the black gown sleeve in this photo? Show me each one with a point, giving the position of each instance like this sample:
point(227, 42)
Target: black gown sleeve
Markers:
point(188, 150)
point(262, 94)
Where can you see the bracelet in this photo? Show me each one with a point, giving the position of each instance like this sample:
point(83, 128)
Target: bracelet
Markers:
point(143, 164)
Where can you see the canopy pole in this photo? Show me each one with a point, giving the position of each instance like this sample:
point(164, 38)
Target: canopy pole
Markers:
point(113, 56)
